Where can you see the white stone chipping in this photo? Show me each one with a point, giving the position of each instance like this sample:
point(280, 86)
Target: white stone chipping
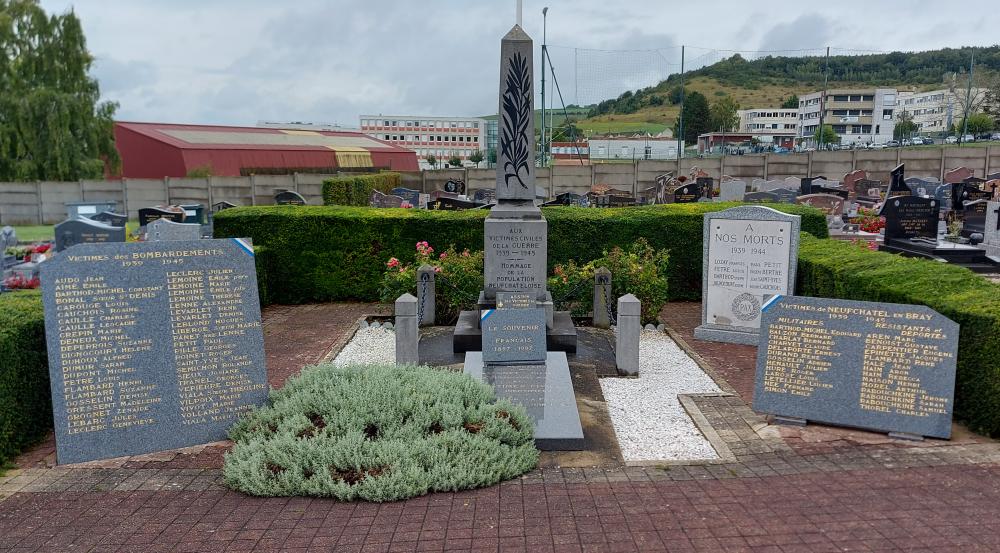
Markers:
point(649, 420)
point(369, 346)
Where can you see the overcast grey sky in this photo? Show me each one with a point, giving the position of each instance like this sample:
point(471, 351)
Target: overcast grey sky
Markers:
point(238, 61)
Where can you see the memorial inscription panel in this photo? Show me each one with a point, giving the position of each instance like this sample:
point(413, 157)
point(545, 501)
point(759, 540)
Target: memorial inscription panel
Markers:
point(516, 251)
point(152, 345)
point(514, 332)
point(880, 366)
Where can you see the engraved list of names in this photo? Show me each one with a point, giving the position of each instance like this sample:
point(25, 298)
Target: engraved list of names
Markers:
point(152, 346)
point(882, 366)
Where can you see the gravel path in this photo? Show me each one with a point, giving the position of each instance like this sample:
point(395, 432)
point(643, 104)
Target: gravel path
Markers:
point(649, 421)
point(369, 346)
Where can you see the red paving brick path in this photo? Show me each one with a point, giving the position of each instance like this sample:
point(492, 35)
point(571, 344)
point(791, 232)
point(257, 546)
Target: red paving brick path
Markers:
point(951, 507)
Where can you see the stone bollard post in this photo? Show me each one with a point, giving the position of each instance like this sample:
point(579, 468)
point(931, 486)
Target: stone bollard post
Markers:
point(407, 335)
point(627, 335)
point(602, 292)
point(425, 295)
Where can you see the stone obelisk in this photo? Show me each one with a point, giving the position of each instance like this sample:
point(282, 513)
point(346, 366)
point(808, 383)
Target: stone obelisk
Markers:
point(515, 232)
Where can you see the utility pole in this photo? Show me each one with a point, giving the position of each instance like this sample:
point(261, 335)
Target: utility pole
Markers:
point(680, 125)
point(545, 11)
point(822, 99)
point(968, 98)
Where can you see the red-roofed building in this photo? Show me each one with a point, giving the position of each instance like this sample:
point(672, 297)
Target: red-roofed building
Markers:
point(157, 150)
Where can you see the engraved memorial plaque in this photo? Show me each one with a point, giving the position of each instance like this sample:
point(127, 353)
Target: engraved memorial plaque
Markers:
point(152, 345)
point(880, 366)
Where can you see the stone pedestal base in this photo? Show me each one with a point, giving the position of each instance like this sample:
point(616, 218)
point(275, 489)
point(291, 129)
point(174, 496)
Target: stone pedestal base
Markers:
point(545, 391)
point(561, 336)
point(732, 335)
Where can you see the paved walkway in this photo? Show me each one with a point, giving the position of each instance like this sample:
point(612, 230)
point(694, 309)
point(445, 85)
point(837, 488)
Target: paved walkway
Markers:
point(781, 490)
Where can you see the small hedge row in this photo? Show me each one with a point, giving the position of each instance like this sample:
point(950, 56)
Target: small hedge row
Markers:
point(835, 269)
point(25, 398)
point(327, 253)
point(356, 190)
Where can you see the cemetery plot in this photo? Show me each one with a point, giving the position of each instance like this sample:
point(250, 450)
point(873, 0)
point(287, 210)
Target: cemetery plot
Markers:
point(152, 345)
point(879, 366)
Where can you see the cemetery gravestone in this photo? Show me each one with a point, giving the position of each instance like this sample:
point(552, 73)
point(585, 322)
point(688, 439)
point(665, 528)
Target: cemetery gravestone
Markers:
point(785, 195)
point(991, 229)
point(689, 193)
point(289, 197)
point(150, 214)
point(732, 190)
point(957, 175)
point(832, 206)
point(152, 345)
point(761, 197)
point(85, 231)
point(879, 366)
point(165, 229)
point(943, 195)
point(769, 185)
point(111, 218)
point(410, 196)
point(707, 185)
point(75, 210)
point(8, 239)
point(749, 255)
point(897, 185)
point(909, 217)
point(195, 213)
point(974, 217)
point(850, 179)
point(222, 206)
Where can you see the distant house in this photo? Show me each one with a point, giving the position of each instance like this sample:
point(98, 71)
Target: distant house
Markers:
point(157, 150)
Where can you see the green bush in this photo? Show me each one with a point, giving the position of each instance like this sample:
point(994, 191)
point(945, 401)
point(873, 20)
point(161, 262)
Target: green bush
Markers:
point(458, 279)
point(380, 434)
point(834, 269)
point(325, 253)
point(356, 190)
point(25, 398)
point(638, 270)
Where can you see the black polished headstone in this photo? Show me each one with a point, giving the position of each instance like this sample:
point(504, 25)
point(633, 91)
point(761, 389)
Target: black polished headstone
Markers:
point(880, 366)
point(149, 214)
point(806, 184)
point(111, 218)
point(963, 192)
point(942, 193)
point(151, 345)
point(897, 184)
point(411, 196)
point(688, 193)
point(195, 213)
point(760, 197)
point(910, 217)
point(85, 231)
point(76, 210)
point(974, 217)
point(785, 195)
point(289, 197)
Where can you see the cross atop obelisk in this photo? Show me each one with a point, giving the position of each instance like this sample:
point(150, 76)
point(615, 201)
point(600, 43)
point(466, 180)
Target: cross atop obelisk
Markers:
point(518, 13)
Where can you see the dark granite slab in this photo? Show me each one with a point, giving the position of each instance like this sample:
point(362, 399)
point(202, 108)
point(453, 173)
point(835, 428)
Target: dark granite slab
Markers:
point(881, 366)
point(152, 345)
point(85, 231)
point(544, 390)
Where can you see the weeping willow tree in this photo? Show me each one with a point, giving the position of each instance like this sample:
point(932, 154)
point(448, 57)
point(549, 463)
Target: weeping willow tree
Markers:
point(52, 124)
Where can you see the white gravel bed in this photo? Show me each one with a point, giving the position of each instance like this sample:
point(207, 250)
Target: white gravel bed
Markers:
point(369, 346)
point(648, 418)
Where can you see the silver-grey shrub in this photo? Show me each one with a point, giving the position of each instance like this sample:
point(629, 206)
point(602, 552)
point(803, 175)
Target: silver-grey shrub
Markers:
point(379, 433)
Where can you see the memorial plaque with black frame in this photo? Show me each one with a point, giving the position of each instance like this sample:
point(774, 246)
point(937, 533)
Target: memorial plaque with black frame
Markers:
point(149, 214)
point(289, 197)
point(455, 186)
point(910, 217)
point(151, 345)
point(879, 366)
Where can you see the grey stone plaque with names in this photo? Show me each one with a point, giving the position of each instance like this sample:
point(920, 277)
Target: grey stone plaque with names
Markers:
point(881, 366)
point(516, 253)
point(749, 254)
point(152, 345)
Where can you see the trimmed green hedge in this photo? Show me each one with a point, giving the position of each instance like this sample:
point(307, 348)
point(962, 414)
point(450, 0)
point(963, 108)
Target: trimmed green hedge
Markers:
point(835, 269)
point(356, 190)
point(324, 253)
point(25, 398)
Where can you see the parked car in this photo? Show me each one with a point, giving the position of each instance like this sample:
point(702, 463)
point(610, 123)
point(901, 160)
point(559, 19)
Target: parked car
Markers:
point(968, 138)
point(906, 142)
point(951, 140)
point(928, 141)
point(995, 136)
point(892, 144)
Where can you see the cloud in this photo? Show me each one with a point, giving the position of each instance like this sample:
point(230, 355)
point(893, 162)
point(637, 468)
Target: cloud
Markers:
point(806, 31)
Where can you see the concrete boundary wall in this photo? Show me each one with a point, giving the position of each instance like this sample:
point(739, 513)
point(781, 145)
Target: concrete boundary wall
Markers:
point(32, 203)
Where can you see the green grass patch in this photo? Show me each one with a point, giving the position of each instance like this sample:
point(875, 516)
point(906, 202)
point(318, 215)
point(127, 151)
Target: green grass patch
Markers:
point(379, 433)
point(35, 233)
